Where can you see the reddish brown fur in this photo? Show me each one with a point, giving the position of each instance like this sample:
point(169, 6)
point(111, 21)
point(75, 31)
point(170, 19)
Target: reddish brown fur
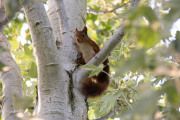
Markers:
point(96, 85)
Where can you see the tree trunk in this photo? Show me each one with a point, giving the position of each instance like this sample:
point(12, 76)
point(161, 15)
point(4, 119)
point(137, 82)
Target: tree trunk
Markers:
point(74, 10)
point(52, 81)
point(10, 75)
point(56, 97)
point(11, 80)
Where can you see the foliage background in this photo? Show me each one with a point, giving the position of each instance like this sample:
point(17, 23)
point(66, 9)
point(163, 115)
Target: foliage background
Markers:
point(144, 67)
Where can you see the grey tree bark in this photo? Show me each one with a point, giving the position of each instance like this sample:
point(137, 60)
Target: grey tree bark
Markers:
point(10, 75)
point(52, 82)
point(12, 81)
point(76, 15)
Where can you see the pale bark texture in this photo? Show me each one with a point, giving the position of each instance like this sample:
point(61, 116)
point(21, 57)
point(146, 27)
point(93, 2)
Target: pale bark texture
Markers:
point(76, 15)
point(52, 87)
point(10, 75)
point(11, 80)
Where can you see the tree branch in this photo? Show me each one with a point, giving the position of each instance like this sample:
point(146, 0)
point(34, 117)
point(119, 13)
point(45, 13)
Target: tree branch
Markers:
point(111, 113)
point(17, 6)
point(127, 101)
point(50, 70)
point(106, 11)
point(67, 41)
point(11, 77)
point(63, 20)
point(12, 81)
point(41, 32)
point(3, 17)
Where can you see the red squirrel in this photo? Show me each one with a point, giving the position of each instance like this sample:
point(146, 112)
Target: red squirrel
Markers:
point(87, 48)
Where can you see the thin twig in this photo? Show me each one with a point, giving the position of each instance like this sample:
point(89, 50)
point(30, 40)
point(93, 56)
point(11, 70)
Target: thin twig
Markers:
point(127, 101)
point(112, 112)
point(106, 11)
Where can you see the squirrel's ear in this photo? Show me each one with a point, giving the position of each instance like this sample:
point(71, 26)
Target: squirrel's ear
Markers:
point(85, 29)
point(76, 30)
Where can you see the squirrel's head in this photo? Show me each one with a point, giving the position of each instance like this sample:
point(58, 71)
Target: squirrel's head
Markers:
point(81, 36)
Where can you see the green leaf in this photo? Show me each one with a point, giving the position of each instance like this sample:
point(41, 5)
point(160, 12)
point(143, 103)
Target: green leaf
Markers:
point(109, 102)
point(92, 17)
point(27, 50)
point(1, 66)
point(14, 43)
point(144, 107)
point(95, 70)
point(172, 94)
point(33, 70)
point(91, 113)
point(142, 11)
point(139, 60)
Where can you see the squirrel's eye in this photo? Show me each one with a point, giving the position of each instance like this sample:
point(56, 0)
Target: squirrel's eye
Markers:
point(83, 34)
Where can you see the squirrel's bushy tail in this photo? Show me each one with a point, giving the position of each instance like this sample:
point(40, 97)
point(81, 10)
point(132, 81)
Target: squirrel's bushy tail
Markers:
point(96, 85)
